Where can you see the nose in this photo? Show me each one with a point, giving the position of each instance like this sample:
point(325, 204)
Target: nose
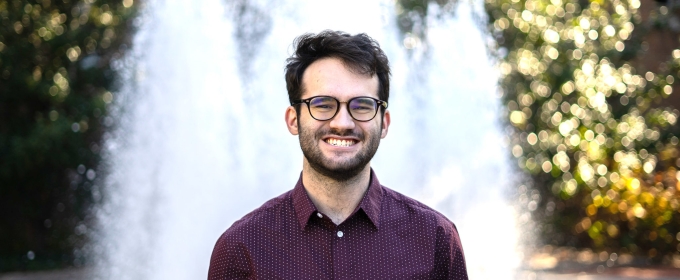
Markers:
point(342, 120)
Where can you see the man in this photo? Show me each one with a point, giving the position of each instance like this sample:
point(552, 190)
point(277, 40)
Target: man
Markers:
point(338, 222)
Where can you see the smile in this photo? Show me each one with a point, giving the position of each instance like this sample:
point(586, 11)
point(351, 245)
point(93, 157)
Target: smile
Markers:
point(340, 143)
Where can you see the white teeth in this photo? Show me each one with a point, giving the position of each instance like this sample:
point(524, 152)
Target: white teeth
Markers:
point(342, 143)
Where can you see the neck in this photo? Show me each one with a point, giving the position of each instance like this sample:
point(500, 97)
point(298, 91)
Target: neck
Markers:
point(335, 199)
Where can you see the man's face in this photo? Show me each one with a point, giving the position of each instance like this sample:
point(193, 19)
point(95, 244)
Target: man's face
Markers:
point(322, 141)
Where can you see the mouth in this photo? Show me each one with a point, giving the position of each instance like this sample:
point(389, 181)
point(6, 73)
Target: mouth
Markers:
point(340, 142)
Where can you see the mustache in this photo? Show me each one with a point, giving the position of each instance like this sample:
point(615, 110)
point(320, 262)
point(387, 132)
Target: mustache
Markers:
point(340, 132)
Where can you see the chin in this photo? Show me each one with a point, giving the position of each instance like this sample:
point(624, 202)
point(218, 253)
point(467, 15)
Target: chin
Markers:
point(339, 171)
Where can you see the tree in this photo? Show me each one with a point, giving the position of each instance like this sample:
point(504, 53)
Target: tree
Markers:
point(56, 79)
point(595, 135)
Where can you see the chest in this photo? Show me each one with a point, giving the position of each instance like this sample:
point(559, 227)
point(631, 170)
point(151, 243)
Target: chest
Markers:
point(354, 250)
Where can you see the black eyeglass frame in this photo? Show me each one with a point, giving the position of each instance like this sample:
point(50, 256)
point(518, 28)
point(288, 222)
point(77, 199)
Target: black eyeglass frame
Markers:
point(308, 100)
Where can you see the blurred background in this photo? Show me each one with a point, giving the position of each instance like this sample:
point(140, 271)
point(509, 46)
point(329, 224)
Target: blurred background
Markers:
point(133, 133)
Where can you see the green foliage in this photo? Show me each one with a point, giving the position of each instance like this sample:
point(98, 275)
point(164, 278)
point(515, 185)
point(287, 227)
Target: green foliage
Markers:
point(55, 81)
point(594, 135)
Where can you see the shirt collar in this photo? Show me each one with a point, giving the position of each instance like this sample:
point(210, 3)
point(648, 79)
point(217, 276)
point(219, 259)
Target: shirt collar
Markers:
point(304, 208)
point(370, 203)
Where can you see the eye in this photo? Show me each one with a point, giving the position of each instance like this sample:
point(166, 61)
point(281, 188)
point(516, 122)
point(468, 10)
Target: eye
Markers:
point(362, 105)
point(323, 103)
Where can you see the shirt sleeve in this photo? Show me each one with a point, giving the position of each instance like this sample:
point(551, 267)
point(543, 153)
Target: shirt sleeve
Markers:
point(230, 260)
point(449, 257)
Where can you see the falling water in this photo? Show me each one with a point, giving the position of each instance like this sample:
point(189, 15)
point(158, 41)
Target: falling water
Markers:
point(202, 139)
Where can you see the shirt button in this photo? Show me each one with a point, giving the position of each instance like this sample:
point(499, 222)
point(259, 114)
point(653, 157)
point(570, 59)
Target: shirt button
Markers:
point(340, 234)
point(319, 214)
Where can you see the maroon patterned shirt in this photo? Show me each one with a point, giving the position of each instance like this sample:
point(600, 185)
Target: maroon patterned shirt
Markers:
point(388, 236)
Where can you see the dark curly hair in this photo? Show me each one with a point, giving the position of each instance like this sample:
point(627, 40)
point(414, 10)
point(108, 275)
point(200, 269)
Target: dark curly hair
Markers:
point(359, 53)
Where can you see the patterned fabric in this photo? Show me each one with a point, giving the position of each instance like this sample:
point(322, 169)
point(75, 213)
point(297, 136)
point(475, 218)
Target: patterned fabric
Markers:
point(389, 236)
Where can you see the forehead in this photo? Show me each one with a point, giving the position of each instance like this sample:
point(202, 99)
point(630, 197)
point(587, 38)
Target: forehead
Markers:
point(329, 76)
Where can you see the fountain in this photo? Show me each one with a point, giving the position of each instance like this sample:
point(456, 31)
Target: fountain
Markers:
point(201, 138)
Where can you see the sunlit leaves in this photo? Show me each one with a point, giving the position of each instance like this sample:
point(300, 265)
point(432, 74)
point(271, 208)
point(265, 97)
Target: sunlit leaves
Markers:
point(591, 131)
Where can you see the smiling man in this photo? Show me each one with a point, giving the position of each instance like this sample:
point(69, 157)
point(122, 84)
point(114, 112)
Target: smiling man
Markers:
point(339, 222)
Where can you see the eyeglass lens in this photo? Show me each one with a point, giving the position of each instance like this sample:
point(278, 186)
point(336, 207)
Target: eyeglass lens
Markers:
point(324, 108)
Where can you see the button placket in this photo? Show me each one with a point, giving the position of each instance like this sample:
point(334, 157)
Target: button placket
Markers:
point(341, 256)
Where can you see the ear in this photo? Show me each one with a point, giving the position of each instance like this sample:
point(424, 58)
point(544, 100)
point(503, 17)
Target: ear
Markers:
point(385, 124)
point(291, 120)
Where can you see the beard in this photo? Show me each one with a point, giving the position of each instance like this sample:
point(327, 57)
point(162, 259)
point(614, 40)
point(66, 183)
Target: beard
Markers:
point(343, 169)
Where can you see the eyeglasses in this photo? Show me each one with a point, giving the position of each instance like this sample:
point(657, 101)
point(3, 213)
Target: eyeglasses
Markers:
point(323, 108)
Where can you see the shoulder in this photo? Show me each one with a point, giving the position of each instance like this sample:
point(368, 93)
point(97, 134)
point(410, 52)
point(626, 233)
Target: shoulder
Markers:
point(268, 215)
point(231, 256)
point(400, 206)
point(448, 249)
